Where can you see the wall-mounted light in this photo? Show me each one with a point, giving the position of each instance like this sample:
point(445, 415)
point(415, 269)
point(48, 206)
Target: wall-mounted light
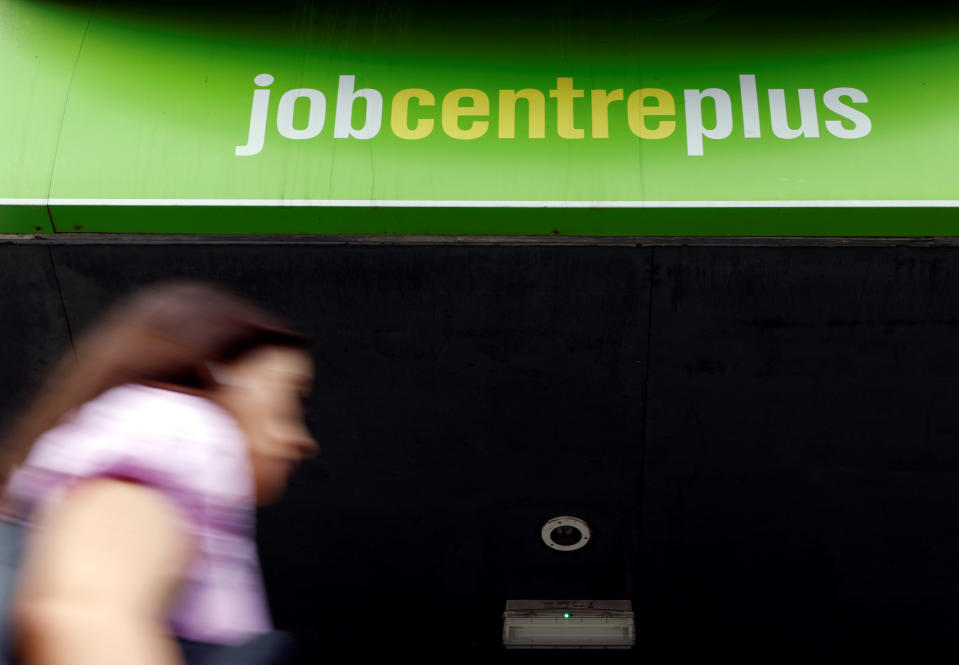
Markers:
point(568, 624)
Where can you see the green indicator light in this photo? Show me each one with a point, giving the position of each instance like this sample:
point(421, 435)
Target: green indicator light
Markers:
point(565, 615)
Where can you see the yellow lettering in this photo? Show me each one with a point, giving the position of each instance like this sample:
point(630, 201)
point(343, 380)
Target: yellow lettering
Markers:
point(636, 112)
point(399, 114)
point(507, 112)
point(601, 100)
point(452, 112)
point(565, 120)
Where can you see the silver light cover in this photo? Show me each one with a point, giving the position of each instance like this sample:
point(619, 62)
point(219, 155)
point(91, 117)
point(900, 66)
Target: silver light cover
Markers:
point(568, 624)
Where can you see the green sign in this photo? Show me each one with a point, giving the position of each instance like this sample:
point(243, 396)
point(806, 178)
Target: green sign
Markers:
point(122, 119)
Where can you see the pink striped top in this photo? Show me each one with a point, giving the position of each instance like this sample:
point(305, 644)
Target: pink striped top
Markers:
point(193, 452)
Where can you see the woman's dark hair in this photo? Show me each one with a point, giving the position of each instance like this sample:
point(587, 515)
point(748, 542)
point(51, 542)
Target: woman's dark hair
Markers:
point(165, 335)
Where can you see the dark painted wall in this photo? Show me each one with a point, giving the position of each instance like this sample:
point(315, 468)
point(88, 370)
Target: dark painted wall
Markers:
point(33, 326)
point(763, 438)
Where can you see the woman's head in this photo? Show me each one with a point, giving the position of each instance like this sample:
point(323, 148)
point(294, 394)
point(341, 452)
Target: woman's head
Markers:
point(264, 389)
point(193, 337)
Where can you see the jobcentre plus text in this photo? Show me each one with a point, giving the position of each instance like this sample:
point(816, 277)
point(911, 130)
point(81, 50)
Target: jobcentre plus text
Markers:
point(467, 113)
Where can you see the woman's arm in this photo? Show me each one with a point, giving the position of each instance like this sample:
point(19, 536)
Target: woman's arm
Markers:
point(98, 576)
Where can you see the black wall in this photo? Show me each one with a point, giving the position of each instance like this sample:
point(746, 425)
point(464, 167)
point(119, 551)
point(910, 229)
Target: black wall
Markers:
point(763, 438)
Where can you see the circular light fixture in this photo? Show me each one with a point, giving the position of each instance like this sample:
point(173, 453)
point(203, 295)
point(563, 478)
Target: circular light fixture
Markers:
point(566, 533)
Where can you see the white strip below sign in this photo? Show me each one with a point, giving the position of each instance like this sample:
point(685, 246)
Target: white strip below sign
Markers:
point(402, 203)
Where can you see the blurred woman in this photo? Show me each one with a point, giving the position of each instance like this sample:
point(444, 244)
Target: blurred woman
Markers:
point(137, 471)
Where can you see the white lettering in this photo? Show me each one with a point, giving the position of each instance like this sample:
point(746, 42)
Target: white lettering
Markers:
point(694, 118)
point(261, 102)
point(345, 98)
point(317, 114)
point(747, 92)
point(808, 122)
point(862, 125)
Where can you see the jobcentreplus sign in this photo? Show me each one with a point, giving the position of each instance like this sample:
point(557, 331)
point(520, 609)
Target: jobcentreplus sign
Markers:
point(464, 113)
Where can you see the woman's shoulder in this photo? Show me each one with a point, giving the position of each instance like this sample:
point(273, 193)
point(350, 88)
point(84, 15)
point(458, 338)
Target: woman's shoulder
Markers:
point(141, 407)
point(154, 436)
